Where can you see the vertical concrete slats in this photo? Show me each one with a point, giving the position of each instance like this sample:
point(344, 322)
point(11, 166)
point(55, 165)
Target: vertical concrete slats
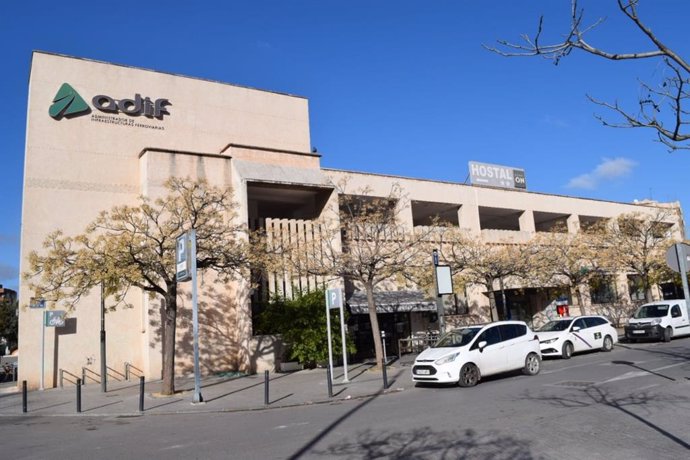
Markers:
point(287, 275)
point(271, 241)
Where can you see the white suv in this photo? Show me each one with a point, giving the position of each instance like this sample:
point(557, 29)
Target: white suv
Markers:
point(465, 355)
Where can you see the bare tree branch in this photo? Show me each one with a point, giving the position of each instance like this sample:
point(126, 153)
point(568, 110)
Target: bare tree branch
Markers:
point(661, 110)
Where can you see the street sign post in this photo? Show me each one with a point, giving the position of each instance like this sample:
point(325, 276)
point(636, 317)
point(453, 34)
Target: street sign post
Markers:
point(183, 269)
point(185, 260)
point(38, 303)
point(50, 318)
point(334, 299)
point(54, 318)
point(444, 285)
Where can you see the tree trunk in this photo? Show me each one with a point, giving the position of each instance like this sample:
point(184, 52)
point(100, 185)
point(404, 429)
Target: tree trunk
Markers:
point(647, 286)
point(578, 296)
point(493, 310)
point(376, 334)
point(169, 324)
point(506, 311)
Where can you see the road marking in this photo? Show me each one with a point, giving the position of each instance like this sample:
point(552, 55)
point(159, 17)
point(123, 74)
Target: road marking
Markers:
point(573, 367)
point(282, 427)
point(633, 374)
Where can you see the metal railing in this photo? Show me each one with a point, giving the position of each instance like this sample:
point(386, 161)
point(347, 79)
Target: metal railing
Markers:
point(88, 373)
point(415, 344)
point(129, 367)
point(62, 373)
point(115, 374)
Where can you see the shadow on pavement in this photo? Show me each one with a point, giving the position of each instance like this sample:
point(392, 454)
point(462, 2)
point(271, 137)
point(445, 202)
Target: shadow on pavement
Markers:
point(635, 366)
point(427, 443)
point(594, 395)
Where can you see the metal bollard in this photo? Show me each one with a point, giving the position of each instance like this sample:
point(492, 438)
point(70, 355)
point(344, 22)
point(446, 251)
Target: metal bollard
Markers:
point(78, 395)
point(141, 394)
point(266, 399)
point(330, 382)
point(385, 374)
point(24, 397)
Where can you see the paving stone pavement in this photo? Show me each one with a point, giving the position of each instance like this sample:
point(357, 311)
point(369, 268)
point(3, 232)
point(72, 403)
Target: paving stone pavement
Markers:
point(224, 393)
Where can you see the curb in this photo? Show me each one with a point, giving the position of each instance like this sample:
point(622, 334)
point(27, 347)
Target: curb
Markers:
point(215, 411)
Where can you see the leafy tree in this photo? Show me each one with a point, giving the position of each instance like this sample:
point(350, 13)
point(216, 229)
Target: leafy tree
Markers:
point(485, 264)
point(662, 107)
point(9, 321)
point(366, 246)
point(301, 322)
point(134, 247)
point(638, 244)
point(571, 260)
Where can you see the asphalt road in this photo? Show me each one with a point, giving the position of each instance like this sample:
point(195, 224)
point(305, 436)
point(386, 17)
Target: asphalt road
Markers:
point(632, 403)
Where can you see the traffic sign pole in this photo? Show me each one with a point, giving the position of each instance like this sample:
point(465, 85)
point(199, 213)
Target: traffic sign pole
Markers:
point(328, 328)
point(195, 321)
point(43, 348)
point(342, 334)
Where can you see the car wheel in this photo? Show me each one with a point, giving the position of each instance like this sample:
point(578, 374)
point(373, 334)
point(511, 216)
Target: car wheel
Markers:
point(469, 375)
point(532, 364)
point(608, 343)
point(567, 350)
point(668, 333)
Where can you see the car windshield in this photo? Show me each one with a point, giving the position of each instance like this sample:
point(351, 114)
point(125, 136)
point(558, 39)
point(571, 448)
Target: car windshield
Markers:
point(651, 311)
point(551, 326)
point(457, 337)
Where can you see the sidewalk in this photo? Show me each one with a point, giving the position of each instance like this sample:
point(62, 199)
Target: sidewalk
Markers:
point(220, 394)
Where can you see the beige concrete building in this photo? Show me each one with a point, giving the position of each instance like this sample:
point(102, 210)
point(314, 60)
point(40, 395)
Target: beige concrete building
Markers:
point(100, 135)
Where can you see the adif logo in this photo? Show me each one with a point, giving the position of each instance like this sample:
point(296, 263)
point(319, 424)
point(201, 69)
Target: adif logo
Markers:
point(68, 103)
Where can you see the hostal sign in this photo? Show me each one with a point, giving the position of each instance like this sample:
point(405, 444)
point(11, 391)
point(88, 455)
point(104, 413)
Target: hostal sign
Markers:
point(497, 176)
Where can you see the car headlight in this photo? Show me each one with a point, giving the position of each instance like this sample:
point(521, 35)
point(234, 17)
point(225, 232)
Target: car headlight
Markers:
point(656, 321)
point(447, 359)
point(549, 340)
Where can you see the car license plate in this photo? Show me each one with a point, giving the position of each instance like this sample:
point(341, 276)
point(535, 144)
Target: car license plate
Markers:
point(423, 371)
point(638, 332)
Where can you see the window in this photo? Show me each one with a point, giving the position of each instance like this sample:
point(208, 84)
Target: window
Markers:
point(595, 321)
point(580, 323)
point(512, 331)
point(492, 336)
point(602, 289)
point(635, 287)
point(675, 311)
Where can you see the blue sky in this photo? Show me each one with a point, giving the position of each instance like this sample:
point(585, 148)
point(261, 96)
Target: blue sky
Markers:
point(394, 87)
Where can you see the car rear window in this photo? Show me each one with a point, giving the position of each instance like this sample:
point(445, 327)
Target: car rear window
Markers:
point(512, 331)
point(591, 322)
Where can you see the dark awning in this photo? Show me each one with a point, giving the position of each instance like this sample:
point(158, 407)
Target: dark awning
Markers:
point(391, 302)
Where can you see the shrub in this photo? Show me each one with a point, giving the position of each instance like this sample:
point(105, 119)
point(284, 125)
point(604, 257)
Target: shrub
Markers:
point(301, 322)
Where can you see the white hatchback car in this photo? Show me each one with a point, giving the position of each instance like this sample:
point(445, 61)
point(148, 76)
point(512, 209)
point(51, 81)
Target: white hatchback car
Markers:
point(465, 355)
point(565, 336)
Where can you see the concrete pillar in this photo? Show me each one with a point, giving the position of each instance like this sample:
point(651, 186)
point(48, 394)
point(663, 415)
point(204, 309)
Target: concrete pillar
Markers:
point(468, 218)
point(405, 214)
point(573, 223)
point(527, 222)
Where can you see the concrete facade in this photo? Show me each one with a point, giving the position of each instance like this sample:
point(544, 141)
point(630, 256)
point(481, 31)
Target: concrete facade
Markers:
point(256, 142)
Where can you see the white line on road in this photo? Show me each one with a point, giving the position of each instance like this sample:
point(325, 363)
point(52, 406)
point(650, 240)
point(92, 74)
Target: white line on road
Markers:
point(282, 427)
point(633, 374)
point(573, 367)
